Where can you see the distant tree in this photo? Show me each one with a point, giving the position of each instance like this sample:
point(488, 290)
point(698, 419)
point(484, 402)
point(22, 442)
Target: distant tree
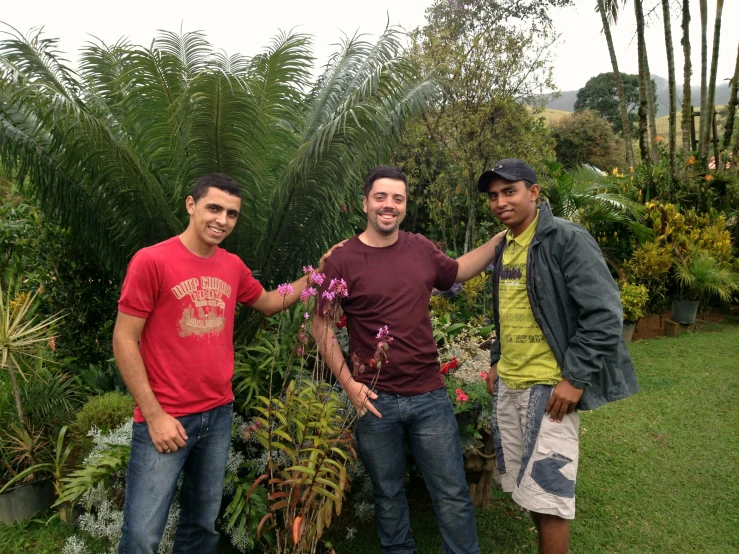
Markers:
point(608, 10)
point(600, 95)
point(586, 138)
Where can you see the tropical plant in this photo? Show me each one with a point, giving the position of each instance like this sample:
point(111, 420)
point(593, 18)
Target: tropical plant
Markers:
point(700, 277)
point(20, 337)
point(608, 10)
point(113, 149)
point(305, 434)
point(634, 299)
point(55, 468)
point(585, 195)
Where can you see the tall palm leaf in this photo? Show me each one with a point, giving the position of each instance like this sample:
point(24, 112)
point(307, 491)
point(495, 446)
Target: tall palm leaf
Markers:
point(113, 148)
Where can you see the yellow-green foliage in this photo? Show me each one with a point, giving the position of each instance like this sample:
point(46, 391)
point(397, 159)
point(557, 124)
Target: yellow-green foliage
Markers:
point(105, 412)
point(650, 262)
point(441, 305)
point(307, 434)
point(473, 288)
point(633, 300)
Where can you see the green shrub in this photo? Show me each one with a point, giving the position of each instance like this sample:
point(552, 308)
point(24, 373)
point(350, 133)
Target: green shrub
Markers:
point(106, 412)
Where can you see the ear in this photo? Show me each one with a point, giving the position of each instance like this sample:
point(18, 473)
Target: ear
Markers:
point(534, 191)
point(190, 205)
point(364, 204)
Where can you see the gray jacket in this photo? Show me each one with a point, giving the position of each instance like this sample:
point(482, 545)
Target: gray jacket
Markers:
point(578, 307)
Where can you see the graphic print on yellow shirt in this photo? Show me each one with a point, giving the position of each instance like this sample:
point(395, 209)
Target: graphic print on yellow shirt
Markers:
point(526, 359)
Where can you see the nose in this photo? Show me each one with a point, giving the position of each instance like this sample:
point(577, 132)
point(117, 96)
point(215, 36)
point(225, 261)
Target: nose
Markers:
point(222, 219)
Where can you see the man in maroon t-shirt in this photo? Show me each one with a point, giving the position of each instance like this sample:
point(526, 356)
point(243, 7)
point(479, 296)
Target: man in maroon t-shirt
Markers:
point(389, 275)
point(173, 342)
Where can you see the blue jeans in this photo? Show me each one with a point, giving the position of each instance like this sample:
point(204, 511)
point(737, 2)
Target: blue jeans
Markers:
point(426, 424)
point(151, 482)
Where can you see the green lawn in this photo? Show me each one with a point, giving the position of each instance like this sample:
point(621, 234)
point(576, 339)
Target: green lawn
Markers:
point(659, 472)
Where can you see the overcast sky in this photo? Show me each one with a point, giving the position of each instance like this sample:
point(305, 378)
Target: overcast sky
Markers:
point(247, 26)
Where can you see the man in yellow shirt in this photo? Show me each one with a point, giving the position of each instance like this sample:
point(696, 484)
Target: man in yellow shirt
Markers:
point(558, 320)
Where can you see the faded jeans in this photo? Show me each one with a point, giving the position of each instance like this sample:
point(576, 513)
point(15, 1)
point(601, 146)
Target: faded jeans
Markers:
point(426, 424)
point(151, 482)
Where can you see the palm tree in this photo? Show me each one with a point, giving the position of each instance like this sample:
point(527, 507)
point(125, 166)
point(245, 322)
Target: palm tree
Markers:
point(672, 87)
point(703, 125)
point(644, 78)
point(113, 149)
point(711, 100)
point(687, 112)
point(581, 195)
point(606, 8)
point(731, 108)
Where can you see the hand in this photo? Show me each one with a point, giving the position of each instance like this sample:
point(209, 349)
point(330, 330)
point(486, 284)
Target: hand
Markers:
point(325, 257)
point(360, 395)
point(563, 401)
point(491, 378)
point(167, 434)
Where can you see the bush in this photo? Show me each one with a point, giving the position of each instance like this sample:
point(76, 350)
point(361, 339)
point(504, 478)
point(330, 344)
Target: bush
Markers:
point(105, 412)
point(587, 138)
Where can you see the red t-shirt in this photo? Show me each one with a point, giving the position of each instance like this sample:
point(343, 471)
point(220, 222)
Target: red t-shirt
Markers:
point(392, 286)
point(189, 304)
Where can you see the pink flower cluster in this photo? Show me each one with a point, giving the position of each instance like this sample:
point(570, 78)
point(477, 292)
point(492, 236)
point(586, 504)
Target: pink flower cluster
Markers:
point(314, 278)
point(380, 357)
point(284, 289)
point(307, 294)
point(336, 290)
point(461, 396)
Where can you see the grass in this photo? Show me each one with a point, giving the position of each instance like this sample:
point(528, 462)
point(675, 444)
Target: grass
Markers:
point(659, 472)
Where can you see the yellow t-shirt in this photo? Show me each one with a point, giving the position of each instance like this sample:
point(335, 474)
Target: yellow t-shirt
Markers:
point(525, 357)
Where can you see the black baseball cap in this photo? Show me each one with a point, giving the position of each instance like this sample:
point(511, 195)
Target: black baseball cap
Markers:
point(511, 169)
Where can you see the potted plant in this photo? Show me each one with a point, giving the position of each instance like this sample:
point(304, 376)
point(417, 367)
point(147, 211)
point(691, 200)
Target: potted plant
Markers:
point(699, 277)
point(633, 300)
point(20, 337)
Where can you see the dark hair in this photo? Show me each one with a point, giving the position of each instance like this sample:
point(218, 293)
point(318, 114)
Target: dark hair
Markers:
point(384, 172)
point(218, 180)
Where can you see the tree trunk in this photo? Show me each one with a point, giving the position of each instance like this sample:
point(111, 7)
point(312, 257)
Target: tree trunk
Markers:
point(643, 102)
point(687, 115)
point(672, 86)
point(469, 236)
point(619, 85)
point(704, 122)
point(731, 109)
point(712, 81)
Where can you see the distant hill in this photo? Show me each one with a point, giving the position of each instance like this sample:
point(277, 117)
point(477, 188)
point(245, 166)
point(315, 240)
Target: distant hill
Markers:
point(566, 102)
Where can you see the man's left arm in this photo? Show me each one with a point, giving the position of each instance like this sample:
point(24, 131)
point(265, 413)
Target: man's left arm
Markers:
point(271, 302)
point(474, 262)
point(599, 322)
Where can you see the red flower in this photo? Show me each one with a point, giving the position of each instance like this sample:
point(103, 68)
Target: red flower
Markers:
point(483, 376)
point(451, 364)
point(461, 396)
point(342, 322)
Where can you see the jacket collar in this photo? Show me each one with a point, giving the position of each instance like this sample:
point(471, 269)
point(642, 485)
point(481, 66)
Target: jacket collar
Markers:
point(546, 222)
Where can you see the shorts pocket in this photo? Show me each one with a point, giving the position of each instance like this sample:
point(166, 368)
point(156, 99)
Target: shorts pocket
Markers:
point(555, 468)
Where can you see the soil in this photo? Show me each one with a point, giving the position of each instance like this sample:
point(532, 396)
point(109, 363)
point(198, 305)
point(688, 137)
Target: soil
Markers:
point(653, 325)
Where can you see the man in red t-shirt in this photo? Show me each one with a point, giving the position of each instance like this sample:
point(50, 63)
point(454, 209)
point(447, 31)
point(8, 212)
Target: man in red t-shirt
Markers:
point(173, 343)
point(389, 275)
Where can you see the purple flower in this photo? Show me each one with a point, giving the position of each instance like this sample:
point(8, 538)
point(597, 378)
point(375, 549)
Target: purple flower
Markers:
point(307, 294)
point(338, 288)
point(383, 333)
point(454, 291)
point(317, 279)
point(284, 289)
point(306, 315)
point(328, 295)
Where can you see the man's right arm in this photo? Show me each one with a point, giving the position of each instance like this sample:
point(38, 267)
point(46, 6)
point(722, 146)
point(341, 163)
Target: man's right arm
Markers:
point(358, 393)
point(166, 432)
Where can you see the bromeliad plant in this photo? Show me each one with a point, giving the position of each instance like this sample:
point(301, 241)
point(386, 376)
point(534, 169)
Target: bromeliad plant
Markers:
point(21, 336)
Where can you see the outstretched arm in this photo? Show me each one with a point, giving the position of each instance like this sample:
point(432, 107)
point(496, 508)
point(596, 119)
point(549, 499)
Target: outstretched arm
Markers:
point(271, 302)
point(358, 393)
point(475, 261)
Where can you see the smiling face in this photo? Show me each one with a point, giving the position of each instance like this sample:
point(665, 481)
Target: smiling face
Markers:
point(385, 207)
point(212, 218)
point(513, 203)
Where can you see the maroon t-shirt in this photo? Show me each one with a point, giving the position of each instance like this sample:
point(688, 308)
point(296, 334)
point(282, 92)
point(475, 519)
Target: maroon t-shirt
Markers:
point(392, 286)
